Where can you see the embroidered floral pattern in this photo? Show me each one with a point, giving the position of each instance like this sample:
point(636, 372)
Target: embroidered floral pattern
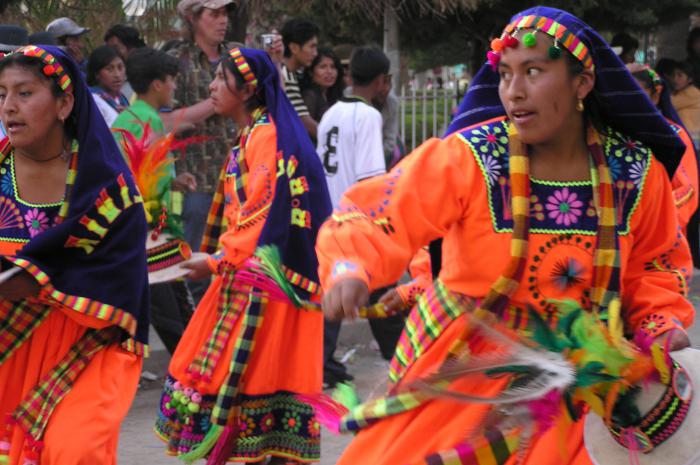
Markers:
point(6, 185)
point(36, 221)
point(564, 207)
point(268, 423)
point(558, 207)
point(653, 324)
point(491, 140)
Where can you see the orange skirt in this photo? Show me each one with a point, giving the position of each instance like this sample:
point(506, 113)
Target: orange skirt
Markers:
point(84, 427)
point(286, 360)
point(440, 425)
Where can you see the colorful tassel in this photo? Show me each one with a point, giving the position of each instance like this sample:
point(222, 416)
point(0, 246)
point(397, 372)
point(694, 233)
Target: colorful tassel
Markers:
point(225, 445)
point(493, 59)
point(328, 412)
point(346, 395)
point(207, 444)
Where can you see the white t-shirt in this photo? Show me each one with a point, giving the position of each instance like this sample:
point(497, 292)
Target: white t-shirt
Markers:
point(350, 145)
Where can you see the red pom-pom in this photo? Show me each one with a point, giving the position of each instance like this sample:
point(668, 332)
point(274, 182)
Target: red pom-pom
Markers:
point(510, 41)
point(49, 70)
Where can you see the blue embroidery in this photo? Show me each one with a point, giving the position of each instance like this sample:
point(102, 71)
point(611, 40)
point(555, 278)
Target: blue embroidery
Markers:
point(558, 207)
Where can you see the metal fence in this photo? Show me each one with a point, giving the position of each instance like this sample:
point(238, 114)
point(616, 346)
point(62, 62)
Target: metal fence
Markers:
point(425, 113)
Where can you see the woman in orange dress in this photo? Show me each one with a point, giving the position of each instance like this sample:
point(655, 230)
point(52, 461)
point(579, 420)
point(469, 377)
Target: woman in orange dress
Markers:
point(244, 355)
point(74, 313)
point(552, 185)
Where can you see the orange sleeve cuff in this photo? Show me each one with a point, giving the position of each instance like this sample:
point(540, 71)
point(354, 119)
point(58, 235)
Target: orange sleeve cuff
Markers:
point(344, 269)
point(659, 322)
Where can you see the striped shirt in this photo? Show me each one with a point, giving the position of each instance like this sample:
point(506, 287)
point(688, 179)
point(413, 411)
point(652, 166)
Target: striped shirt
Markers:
point(291, 88)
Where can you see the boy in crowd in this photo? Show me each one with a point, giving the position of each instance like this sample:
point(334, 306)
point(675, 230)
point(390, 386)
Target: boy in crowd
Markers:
point(686, 98)
point(300, 39)
point(152, 76)
point(351, 149)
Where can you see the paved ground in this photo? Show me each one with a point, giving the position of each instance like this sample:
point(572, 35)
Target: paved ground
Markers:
point(138, 445)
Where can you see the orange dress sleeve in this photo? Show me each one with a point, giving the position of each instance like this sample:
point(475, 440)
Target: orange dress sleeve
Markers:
point(654, 283)
point(383, 221)
point(685, 182)
point(246, 220)
point(421, 277)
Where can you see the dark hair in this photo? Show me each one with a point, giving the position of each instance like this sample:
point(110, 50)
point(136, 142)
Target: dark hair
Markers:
point(684, 67)
point(101, 57)
point(665, 66)
point(626, 41)
point(36, 66)
point(366, 64)
point(336, 90)
point(693, 35)
point(127, 35)
point(297, 31)
point(228, 66)
point(144, 65)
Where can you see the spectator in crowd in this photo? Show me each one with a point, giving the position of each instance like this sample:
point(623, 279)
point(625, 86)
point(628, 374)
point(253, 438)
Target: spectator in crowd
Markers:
point(686, 98)
point(12, 37)
point(344, 52)
point(106, 76)
point(152, 75)
point(665, 68)
point(693, 50)
point(124, 39)
point(70, 35)
point(300, 38)
point(388, 104)
point(198, 55)
point(42, 38)
point(322, 84)
point(625, 46)
point(351, 149)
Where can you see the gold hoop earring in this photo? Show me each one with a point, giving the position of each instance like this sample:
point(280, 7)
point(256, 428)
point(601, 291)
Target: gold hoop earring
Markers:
point(579, 105)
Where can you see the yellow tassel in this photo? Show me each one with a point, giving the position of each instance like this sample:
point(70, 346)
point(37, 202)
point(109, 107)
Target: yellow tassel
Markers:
point(658, 355)
point(615, 325)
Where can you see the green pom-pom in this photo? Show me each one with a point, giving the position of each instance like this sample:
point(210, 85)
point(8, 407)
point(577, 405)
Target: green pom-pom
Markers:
point(530, 40)
point(554, 52)
point(192, 407)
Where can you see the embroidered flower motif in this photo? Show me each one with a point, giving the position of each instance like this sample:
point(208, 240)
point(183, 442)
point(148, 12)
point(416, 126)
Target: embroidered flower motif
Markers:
point(246, 426)
point(637, 171)
point(536, 208)
point(314, 428)
point(36, 221)
point(6, 185)
point(491, 141)
point(615, 168)
point(291, 422)
point(629, 150)
point(564, 207)
point(267, 422)
point(492, 168)
point(567, 273)
point(653, 324)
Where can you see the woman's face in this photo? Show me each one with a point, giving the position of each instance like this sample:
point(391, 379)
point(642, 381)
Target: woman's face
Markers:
point(325, 73)
point(680, 80)
point(29, 111)
point(538, 93)
point(211, 25)
point(113, 76)
point(227, 99)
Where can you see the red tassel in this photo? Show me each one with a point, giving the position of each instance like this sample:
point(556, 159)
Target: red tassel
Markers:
point(328, 412)
point(225, 445)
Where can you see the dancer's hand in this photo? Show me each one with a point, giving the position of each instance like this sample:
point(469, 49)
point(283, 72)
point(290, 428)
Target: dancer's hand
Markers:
point(19, 287)
point(185, 182)
point(199, 268)
point(679, 340)
point(392, 301)
point(345, 298)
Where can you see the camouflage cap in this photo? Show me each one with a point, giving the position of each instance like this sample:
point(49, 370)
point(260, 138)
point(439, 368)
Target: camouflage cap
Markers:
point(193, 6)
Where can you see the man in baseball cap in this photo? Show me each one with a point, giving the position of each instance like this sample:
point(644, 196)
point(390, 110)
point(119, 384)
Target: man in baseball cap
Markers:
point(70, 35)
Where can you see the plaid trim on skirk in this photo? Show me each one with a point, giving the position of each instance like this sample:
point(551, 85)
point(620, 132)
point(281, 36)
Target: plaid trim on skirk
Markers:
point(18, 322)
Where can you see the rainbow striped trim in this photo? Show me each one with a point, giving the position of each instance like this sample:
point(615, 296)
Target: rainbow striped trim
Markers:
point(52, 68)
point(557, 31)
point(243, 66)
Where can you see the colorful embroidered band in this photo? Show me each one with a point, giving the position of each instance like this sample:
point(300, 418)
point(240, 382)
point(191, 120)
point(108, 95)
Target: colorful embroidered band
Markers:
point(663, 420)
point(560, 34)
point(166, 255)
point(243, 66)
point(52, 68)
